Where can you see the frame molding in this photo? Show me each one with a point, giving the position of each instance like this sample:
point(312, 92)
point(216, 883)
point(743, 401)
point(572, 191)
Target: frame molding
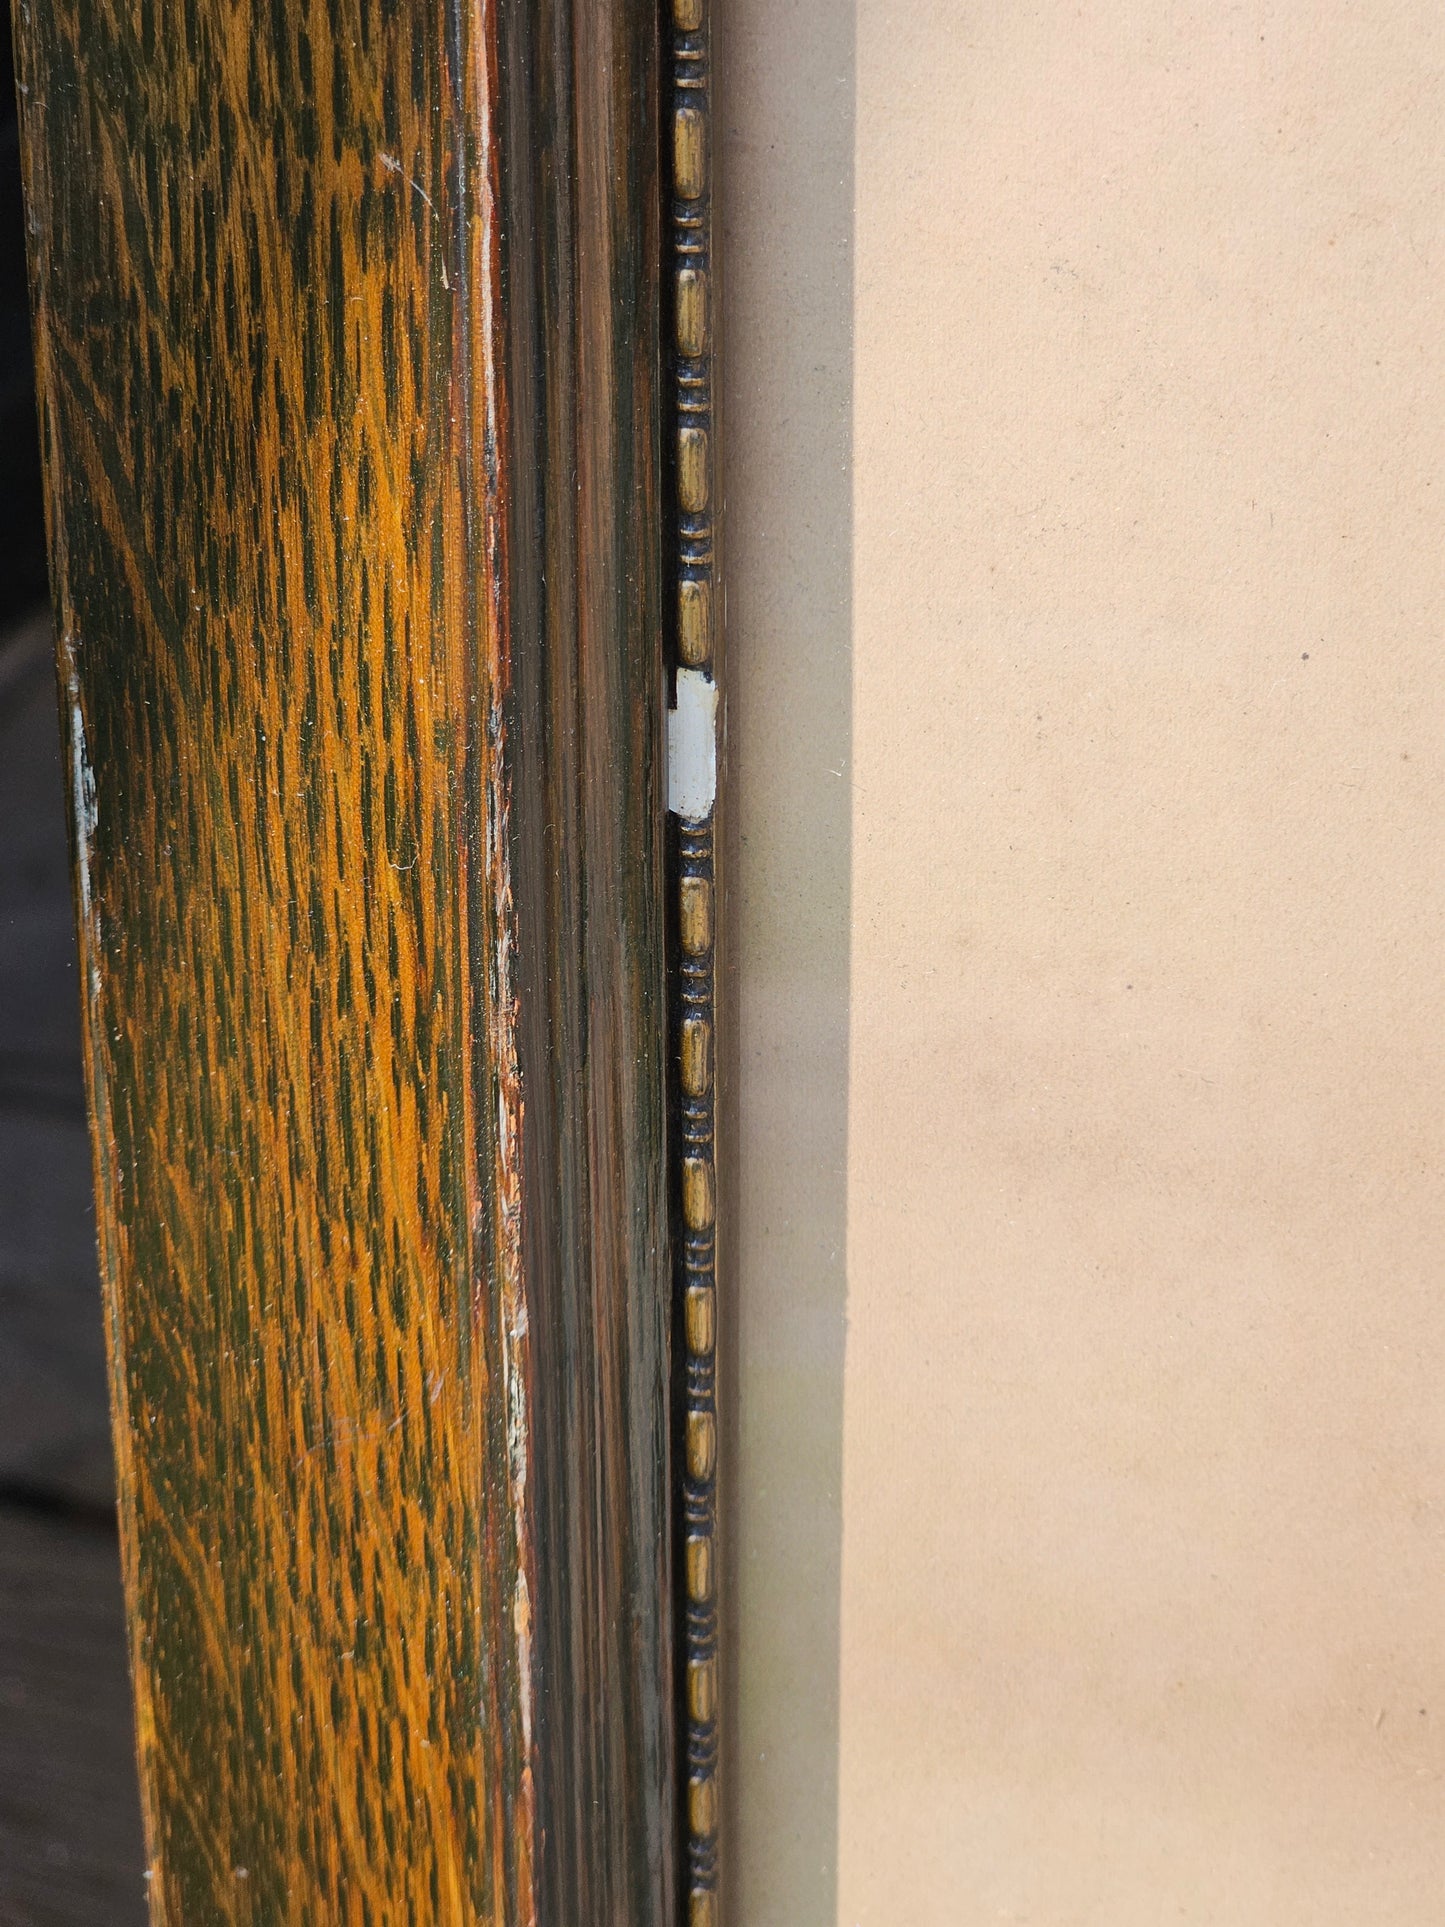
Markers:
point(696, 656)
point(374, 342)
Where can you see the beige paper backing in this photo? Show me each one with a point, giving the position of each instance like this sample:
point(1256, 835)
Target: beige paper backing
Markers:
point(1087, 619)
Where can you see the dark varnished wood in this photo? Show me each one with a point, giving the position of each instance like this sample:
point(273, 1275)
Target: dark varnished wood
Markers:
point(582, 264)
point(347, 343)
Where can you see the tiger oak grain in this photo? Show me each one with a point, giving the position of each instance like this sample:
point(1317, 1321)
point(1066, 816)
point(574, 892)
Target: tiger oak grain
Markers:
point(346, 324)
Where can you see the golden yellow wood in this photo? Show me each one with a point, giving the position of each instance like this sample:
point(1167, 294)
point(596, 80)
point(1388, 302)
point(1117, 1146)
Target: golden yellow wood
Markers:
point(349, 529)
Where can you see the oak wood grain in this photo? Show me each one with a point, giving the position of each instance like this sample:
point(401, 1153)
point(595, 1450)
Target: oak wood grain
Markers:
point(347, 346)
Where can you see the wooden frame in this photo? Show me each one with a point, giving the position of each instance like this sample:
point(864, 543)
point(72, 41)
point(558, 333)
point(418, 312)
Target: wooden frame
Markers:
point(694, 873)
point(374, 344)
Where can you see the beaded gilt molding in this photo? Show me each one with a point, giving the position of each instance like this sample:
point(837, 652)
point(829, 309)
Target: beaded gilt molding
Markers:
point(693, 672)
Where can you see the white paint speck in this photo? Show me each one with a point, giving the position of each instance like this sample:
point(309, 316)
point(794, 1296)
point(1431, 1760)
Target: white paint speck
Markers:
point(692, 746)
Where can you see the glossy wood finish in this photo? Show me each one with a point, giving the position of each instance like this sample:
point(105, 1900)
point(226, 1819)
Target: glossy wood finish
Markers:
point(347, 341)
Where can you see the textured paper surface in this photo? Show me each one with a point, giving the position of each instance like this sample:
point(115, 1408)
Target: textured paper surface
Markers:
point(1085, 436)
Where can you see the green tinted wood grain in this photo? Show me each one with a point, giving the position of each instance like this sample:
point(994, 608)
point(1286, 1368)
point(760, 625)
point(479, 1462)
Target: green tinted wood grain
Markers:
point(346, 325)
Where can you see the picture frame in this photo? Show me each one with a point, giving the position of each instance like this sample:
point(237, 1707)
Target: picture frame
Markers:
point(375, 354)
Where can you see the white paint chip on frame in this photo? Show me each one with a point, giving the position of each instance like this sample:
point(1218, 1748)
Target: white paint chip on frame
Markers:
point(692, 746)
